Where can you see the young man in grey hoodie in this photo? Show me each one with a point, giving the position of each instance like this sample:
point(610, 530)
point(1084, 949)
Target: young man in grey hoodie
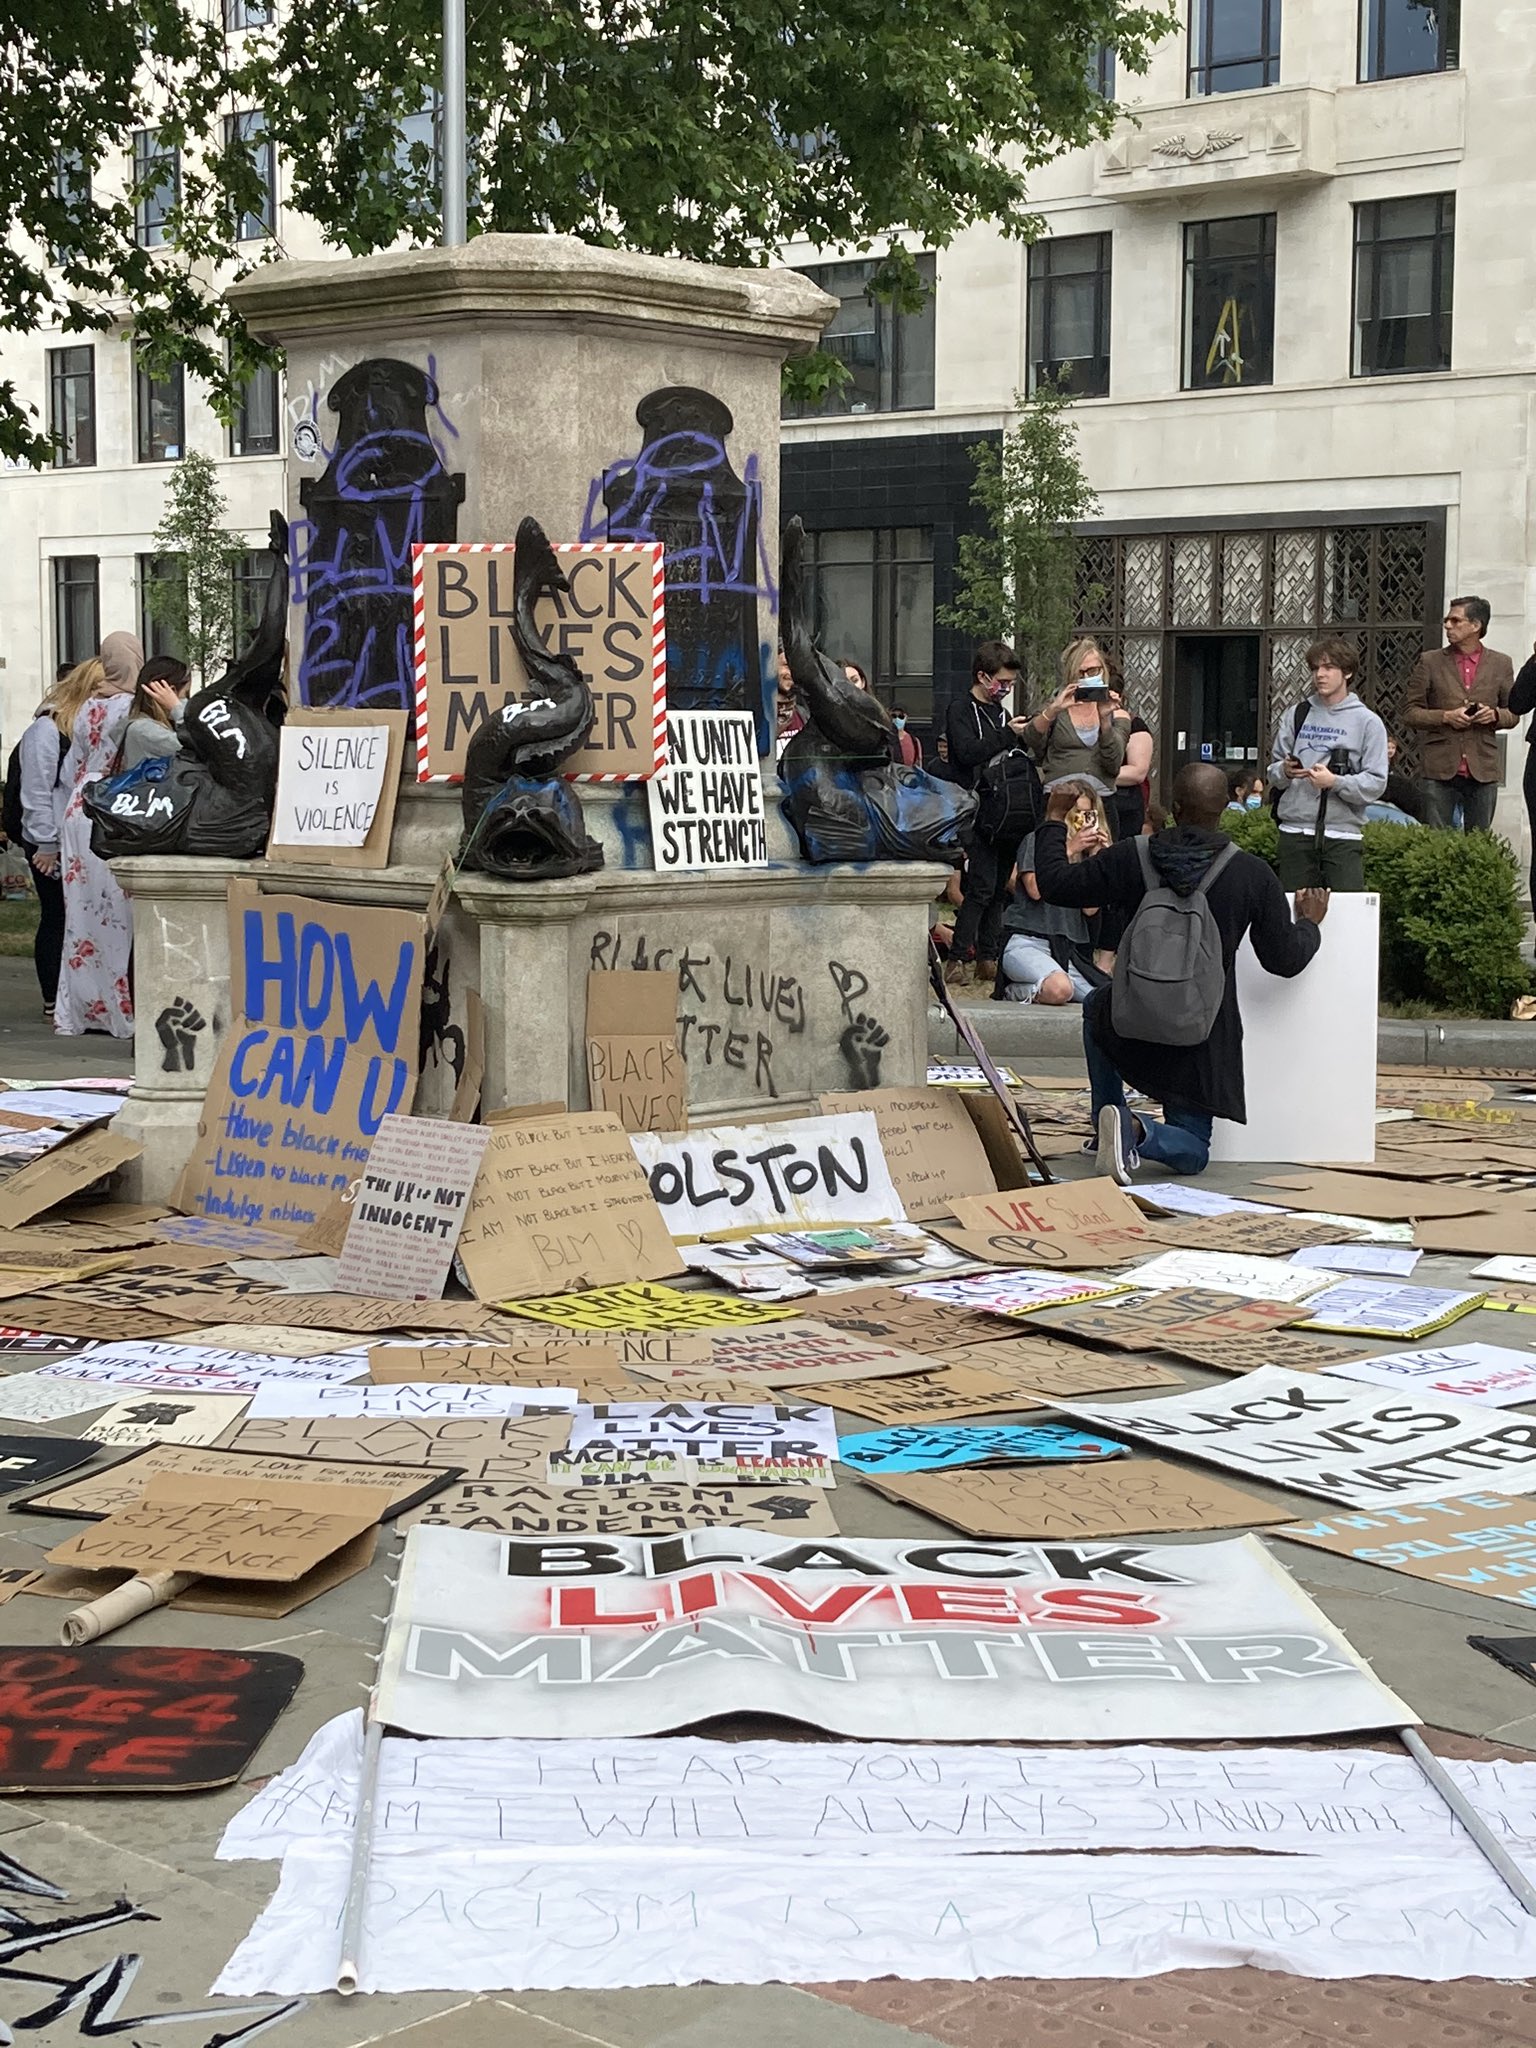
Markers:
point(1329, 762)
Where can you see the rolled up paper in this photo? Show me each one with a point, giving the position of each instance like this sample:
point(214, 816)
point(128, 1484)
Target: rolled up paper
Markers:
point(108, 1611)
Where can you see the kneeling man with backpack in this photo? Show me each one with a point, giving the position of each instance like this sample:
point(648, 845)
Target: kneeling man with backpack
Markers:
point(1169, 1022)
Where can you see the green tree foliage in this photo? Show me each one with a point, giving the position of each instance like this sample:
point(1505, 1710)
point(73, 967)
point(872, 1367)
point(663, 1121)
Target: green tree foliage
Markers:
point(659, 125)
point(196, 603)
point(1017, 578)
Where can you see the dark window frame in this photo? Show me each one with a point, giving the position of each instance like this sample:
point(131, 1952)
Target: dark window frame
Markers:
point(912, 689)
point(1044, 281)
point(243, 443)
point(1265, 258)
point(157, 636)
point(152, 207)
point(77, 449)
point(1374, 30)
point(242, 14)
point(1202, 81)
point(69, 577)
point(144, 389)
point(250, 127)
point(894, 334)
point(1442, 242)
point(1101, 70)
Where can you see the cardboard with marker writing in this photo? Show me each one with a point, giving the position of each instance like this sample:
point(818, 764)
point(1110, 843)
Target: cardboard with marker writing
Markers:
point(649, 1306)
point(903, 1319)
point(354, 1314)
point(1227, 1352)
point(803, 1173)
point(260, 1599)
point(118, 1486)
point(1482, 1543)
point(268, 1531)
point(994, 1379)
point(1069, 1503)
point(110, 1717)
point(325, 1002)
point(86, 1320)
point(547, 1362)
point(151, 1418)
point(410, 1208)
point(1274, 1236)
point(561, 1204)
point(635, 1068)
point(997, 1247)
point(654, 1507)
point(338, 780)
point(1142, 1322)
point(606, 622)
point(44, 1183)
point(1373, 1196)
point(931, 1146)
point(516, 1447)
point(805, 1351)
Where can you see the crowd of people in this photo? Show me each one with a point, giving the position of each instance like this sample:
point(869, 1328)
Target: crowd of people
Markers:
point(101, 717)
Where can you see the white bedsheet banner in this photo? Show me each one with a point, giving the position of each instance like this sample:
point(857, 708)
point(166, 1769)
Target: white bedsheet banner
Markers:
point(914, 1640)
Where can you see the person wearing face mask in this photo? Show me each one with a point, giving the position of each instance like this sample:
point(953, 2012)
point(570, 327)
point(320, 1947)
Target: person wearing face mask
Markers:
point(1079, 733)
point(1245, 790)
point(908, 748)
point(986, 754)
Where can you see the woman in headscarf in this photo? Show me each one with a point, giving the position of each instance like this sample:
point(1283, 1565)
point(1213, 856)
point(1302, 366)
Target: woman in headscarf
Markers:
point(94, 990)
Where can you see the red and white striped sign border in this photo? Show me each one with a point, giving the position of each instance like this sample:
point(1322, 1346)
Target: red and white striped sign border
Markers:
point(421, 549)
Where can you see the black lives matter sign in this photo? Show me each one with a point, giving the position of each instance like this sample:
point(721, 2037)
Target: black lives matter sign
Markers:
point(609, 623)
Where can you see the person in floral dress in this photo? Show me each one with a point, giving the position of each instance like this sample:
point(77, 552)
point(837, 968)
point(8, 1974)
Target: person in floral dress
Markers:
point(95, 993)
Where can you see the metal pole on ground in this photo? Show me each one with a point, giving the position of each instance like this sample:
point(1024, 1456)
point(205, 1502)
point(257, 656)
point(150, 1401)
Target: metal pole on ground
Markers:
point(1492, 1848)
point(349, 1971)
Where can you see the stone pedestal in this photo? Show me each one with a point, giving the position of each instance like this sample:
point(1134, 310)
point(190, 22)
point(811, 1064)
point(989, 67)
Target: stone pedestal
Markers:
point(530, 374)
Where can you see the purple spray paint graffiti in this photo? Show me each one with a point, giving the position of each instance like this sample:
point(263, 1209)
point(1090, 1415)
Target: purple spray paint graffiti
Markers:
point(681, 490)
point(385, 487)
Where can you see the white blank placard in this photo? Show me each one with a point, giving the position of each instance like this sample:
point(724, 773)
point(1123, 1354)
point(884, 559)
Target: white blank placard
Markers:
point(1309, 1049)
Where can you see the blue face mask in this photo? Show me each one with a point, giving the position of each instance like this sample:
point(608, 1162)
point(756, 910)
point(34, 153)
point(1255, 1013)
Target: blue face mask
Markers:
point(899, 720)
point(1253, 803)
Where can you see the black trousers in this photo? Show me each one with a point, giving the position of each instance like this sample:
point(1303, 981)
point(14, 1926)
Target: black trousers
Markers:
point(978, 933)
point(1529, 786)
point(48, 945)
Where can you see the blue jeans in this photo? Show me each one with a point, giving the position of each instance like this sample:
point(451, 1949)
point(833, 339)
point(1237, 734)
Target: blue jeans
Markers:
point(1181, 1142)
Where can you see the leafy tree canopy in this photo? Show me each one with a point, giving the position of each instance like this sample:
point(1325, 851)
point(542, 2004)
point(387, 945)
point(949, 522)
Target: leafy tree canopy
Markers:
point(679, 127)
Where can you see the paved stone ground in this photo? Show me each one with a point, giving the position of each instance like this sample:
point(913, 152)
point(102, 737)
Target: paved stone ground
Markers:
point(159, 1852)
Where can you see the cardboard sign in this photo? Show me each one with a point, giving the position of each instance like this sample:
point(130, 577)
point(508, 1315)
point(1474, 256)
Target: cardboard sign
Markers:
point(932, 1152)
point(35, 1397)
point(1012, 1294)
point(1381, 1308)
point(1481, 1543)
point(326, 1003)
point(1094, 1209)
point(610, 623)
point(1363, 1194)
point(169, 1419)
point(999, 1247)
point(109, 1717)
point(634, 1066)
point(272, 1398)
point(1507, 1229)
point(919, 1447)
point(338, 775)
point(1146, 1322)
point(1229, 1273)
point(269, 1338)
point(1072, 1503)
point(184, 1369)
point(1334, 1438)
point(706, 803)
point(410, 1208)
point(740, 1178)
point(650, 1308)
point(561, 1204)
point(65, 1172)
point(108, 1492)
point(1228, 1353)
point(1489, 1374)
point(924, 1326)
point(509, 1447)
point(653, 1508)
point(219, 1533)
point(540, 1362)
point(497, 1635)
point(605, 1467)
point(15, 1341)
point(805, 1351)
point(985, 1379)
point(1273, 1236)
point(33, 1460)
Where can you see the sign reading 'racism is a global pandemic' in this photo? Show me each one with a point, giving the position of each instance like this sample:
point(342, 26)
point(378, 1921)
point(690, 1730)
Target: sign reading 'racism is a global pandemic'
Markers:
point(326, 1001)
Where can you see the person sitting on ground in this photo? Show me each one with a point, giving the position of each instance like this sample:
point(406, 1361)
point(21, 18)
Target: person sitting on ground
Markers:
point(159, 705)
point(1047, 957)
point(1402, 801)
point(1199, 1082)
point(1245, 790)
point(1329, 760)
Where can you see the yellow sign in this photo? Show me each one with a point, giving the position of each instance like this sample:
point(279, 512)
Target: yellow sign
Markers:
point(647, 1305)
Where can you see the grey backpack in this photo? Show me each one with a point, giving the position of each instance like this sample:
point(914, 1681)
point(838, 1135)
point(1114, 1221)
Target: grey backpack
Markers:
point(1170, 976)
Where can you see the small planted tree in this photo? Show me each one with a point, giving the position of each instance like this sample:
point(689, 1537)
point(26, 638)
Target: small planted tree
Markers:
point(1017, 578)
point(195, 603)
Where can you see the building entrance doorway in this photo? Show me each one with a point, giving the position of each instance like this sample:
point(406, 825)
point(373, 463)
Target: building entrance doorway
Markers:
point(1215, 699)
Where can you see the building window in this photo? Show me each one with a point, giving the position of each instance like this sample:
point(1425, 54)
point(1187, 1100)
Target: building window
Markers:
point(888, 353)
point(421, 131)
point(253, 429)
point(1234, 45)
point(157, 187)
point(1069, 314)
point(1404, 257)
point(247, 13)
point(1229, 302)
point(872, 592)
point(72, 406)
point(161, 572)
point(250, 130)
point(1400, 38)
point(76, 608)
point(161, 415)
point(1101, 71)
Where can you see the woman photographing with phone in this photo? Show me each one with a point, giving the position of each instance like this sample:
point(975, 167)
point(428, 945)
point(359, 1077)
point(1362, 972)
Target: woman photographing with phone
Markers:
point(1079, 732)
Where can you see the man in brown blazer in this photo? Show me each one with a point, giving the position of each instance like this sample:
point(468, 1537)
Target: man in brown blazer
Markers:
point(1458, 697)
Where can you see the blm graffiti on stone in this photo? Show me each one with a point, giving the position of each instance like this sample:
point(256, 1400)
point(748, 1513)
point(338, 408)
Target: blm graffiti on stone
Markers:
point(385, 487)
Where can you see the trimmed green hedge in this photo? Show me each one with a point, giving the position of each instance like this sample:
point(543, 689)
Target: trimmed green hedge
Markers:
point(1451, 924)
